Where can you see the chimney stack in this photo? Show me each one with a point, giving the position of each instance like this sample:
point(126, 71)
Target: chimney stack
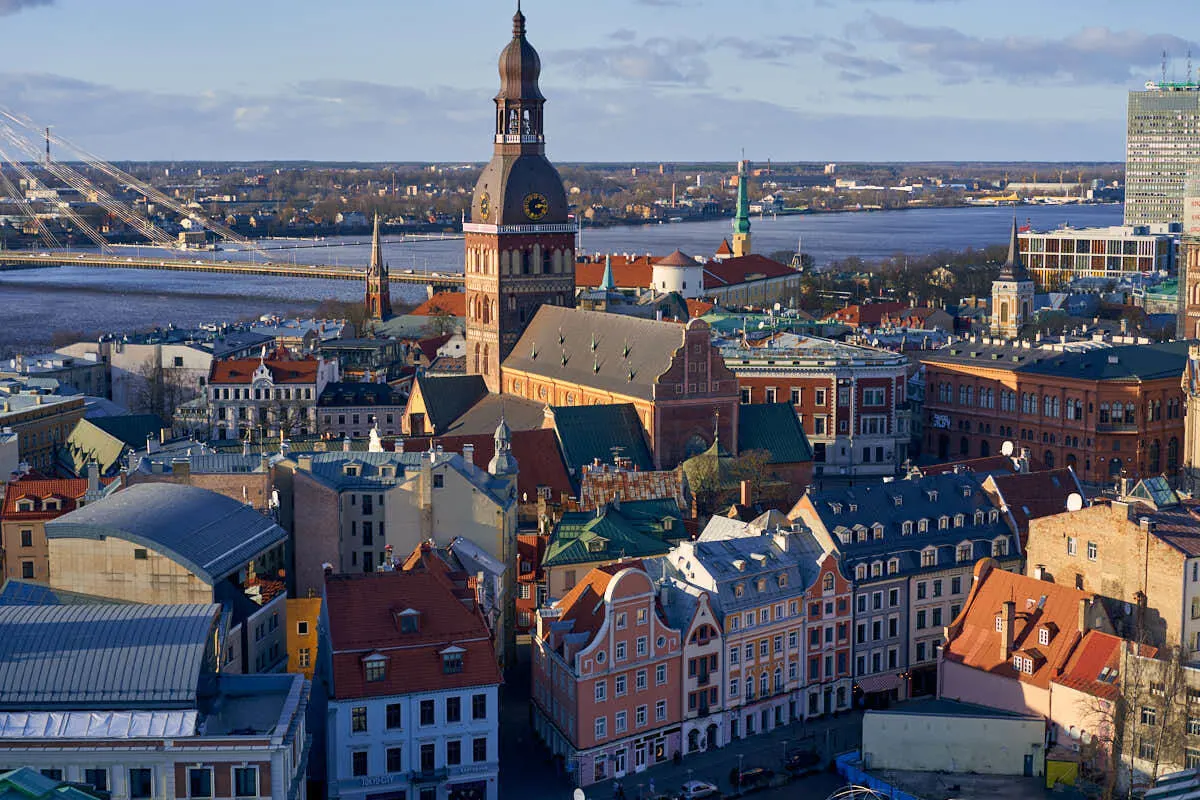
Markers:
point(93, 477)
point(1084, 605)
point(1008, 613)
point(747, 494)
point(468, 454)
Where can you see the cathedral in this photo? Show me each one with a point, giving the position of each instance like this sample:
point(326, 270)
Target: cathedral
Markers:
point(520, 243)
point(378, 294)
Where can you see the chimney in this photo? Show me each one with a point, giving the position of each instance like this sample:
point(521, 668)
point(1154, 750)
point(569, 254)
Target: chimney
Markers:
point(304, 463)
point(1039, 572)
point(782, 539)
point(346, 444)
point(747, 494)
point(468, 454)
point(1007, 614)
point(182, 469)
point(1084, 606)
point(93, 477)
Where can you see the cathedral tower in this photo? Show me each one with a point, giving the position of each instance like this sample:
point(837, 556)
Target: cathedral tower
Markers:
point(1012, 292)
point(520, 244)
point(378, 296)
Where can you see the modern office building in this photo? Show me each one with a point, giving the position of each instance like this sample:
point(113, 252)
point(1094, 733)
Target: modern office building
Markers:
point(1055, 258)
point(1162, 145)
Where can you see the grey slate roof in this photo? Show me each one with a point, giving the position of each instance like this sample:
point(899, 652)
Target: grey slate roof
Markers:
point(775, 428)
point(448, 398)
point(586, 433)
point(210, 534)
point(330, 469)
point(1128, 362)
point(622, 345)
point(865, 505)
point(103, 656)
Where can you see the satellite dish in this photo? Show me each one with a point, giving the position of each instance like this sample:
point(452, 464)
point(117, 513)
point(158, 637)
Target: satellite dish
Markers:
point(1074, 501)
point(578, 795)
point(1007, 448)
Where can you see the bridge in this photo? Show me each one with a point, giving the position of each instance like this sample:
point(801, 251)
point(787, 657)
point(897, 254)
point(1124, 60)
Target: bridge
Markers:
point(14, 259)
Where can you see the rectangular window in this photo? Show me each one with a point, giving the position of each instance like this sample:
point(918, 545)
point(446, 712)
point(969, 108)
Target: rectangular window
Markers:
point(453, 709)
point(660, 674)
point(641, 645)
point(96, 778)
point(921, 590)
point(920, 651)
point(601, 727)
point(1191, 758)
point(956, 585)
point(660, 711)
point(358, 763)
point(1149, 716)
point(620, 722)
point(640, 680)
point(393, 716)
point(427, 714)
point(921, 620)
point(428, 758)
point(395, 759)
point(245, 781)
point(619, 685)
point(600, 692)
point(200, 782)
point(640, 716)
point(1072, 546)
point(479, 749)
point(358, 719)
point(893, 598)
point(453, 752)
point(479, 706)
point(1092, 551)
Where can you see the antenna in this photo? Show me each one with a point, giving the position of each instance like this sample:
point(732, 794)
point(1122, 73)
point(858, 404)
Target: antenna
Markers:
point(1164, 66)
point(48, 127)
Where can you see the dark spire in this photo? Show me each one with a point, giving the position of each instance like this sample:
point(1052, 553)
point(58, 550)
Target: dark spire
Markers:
point(518, 22)
point(1014, 269)
point(377, 266)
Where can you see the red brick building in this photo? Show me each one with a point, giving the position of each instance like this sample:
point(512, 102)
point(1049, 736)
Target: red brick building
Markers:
point(869, 315)
point(828, 681)
point(671, 373)
point(1105, 411)
point(850, 400)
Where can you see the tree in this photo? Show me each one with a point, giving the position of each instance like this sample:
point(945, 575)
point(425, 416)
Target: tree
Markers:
point(715, 482)
point(159, 391)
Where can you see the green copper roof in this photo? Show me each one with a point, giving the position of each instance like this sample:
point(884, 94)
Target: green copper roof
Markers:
point(606, 282)
point(773, 427)
point(632, 530)
point(741, 217)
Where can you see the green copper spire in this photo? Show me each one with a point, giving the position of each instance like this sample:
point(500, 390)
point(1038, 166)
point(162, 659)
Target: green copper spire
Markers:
point(741, 217)
point(606, 282)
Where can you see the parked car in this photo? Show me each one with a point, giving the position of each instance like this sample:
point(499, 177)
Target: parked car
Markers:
point(802, 761)
point(696, 789)
point(751, 776)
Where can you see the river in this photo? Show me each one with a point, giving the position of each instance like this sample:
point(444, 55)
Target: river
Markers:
point(39, 302)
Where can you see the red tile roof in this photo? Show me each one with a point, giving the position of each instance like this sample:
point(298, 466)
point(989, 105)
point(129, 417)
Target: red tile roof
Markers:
point(598, 485)
point(452, 303)
point(1032, 495)
point(635, 272)
point(429, 347)
point(530, 549)
point(584, 604)
point(69, 490)
point(537, 453)
point(1097, 652)
point(867, 313)
point(241, 370)
point(698, 308)
point(977, 644)
point(363, 620)
point(724, 249)
point(743, 269)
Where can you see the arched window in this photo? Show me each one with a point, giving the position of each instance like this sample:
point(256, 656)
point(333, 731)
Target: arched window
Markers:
point(1173, 454)
point(860, 572)
point(1104, 414)
point(1154, 457)
point(1048, 460)
point(1130, 413)
point(827, 584)
point(964, 446)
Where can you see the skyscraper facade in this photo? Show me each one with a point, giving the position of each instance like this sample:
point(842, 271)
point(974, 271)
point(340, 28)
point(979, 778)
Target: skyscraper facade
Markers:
point(1162, 146)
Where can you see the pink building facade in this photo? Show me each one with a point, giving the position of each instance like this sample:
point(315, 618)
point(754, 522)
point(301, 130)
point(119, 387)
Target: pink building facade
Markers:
point(607, 676)
point(828, 681)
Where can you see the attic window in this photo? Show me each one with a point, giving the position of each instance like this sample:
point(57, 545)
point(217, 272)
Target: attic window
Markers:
point(350, 470)
point(24, 505)
point(943, 522)
point(375, 667)
point(760, 584)
point(53, 504)
point(844, 535)
point(388, 471)
point(922, 526)
point(877, 531)
point(854, 508)
point(836, 507)
point(860, 572)
point(781, 580)
point(1043, 636)
point(966, 490)
point(860, 534)
point(978, 517)
point(1000, 547)
point(596, 545)
point(958, 520)
point(964, 552)
point(906, 527)
point(994, 515)
point(893, 566)
point(898, 500)
point(932, 495)
point(409, 620)
point(452, 660)
point(739, 589)
point(876, 569)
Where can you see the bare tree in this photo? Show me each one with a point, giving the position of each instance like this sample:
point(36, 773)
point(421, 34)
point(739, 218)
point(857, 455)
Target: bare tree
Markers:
point(159, 391)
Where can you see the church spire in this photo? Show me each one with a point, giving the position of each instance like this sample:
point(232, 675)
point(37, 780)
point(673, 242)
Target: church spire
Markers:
point(606, 282)
point(379, 298)
point(377, 266)
point(1014, 269)
point(741, 216)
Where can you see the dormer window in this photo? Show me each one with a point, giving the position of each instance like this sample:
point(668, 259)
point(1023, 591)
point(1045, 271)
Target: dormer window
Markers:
point(964, 552)
point(978, 517)
point(387, 471)
point(781, 580)
point(929, 557)
point(877, 531)
point(854, 508)
point(739, 589)
point(1000, 547)
point(898, 500)
point(932, 495)
point(994, 515)
point(760, 584)
point(860, 572)
point(836, 507)
point(844, 535)
point(906, 527)
point(966, 490)
point(350, 470)
point(958, 520)
point(943, 522)
point(52, 504)
point(922, 526)
point(860, 534)
point(452, 660)
point(24, 504)
point(893, 566)
point(375, 667)
point(1043, 636)
point(597, 545)
point(876, 569)
point(409, 620)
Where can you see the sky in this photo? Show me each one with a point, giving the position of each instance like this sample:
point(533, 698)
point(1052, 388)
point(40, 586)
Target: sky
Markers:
point(626, 80)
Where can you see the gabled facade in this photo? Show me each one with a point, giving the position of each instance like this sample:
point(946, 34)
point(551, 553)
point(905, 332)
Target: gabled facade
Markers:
point(828, 620)
point(28, 504)
point(606, 676)
point(270, 395)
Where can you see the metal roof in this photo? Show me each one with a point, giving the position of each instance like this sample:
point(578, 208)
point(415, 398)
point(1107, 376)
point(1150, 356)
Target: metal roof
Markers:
point(210, 534)
point(103, 656)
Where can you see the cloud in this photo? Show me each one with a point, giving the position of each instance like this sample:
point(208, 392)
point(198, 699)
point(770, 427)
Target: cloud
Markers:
point(339, 120)
point(14, 6)
point(860, 68)
point(1093, 55)
point(623, 35)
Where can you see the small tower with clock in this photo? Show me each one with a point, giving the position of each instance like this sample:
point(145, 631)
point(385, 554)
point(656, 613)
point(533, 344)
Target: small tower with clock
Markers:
point(520, 243)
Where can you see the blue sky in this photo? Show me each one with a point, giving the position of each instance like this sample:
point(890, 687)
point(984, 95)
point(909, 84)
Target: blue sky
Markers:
point(647, 80)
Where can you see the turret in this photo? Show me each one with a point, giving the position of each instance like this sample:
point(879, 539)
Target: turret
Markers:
point(741, 216)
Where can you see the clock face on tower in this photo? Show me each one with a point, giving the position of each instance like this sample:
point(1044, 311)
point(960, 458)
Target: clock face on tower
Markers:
point(485, 205)
point(535, 205)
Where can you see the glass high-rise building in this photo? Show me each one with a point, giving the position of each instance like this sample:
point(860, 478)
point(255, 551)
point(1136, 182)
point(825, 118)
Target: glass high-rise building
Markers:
point(1162, 146)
